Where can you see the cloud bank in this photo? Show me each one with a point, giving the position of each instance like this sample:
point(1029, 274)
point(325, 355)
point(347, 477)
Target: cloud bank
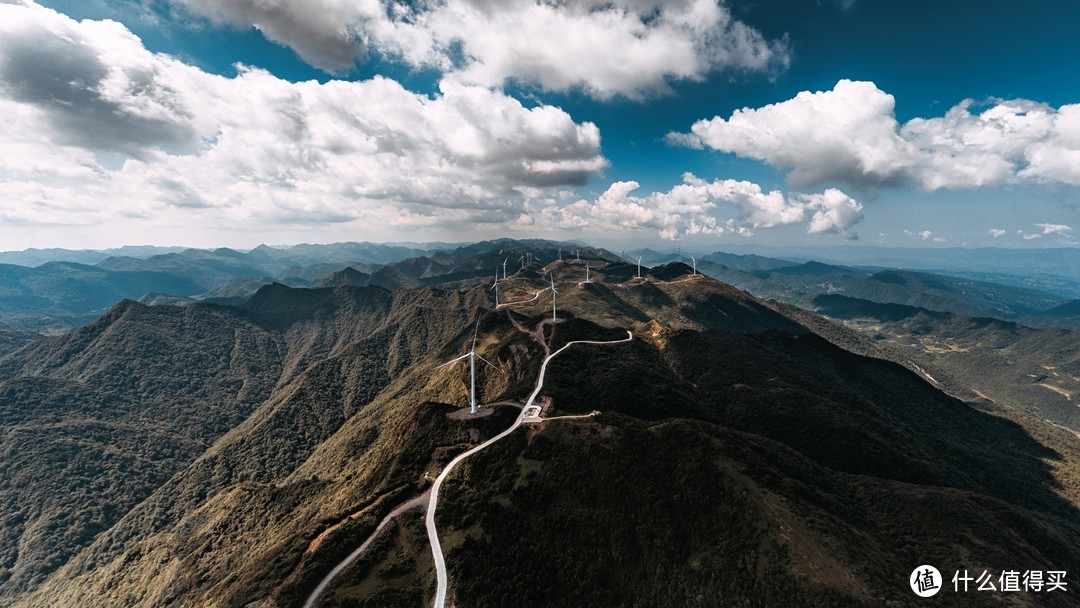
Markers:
point(94, 127)
point(850, 135)
point(632, 48)
point(699, 207)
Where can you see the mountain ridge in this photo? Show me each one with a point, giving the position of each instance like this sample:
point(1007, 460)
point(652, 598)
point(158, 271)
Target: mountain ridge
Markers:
point(341, 408)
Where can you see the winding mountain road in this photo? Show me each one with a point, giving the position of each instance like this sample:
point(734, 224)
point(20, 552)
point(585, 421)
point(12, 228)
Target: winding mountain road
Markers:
point(433, 534)
point(345, 563)
point(532, 299)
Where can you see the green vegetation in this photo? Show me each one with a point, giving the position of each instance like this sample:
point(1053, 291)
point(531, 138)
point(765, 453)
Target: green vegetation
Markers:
point(223, 456)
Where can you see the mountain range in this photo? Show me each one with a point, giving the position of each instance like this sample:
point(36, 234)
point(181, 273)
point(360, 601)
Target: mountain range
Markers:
point(746, 451)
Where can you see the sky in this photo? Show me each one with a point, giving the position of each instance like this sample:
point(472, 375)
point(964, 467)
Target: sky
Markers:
point(629, 122)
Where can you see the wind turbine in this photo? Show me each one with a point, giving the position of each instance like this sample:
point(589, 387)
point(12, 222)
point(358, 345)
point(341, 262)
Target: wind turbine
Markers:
point(554, 292)
point(639, 267)
point(577, 252)
point(522, 260)
point(586, 272)
point(495, 286)
point(692, 258)
point(504, 267)
point(472, 366)
point(560, 254)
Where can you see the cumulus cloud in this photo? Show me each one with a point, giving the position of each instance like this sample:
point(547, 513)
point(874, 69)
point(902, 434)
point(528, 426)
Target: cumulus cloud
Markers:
point(324, 32)
point(1054, 228)
point(606, 48)
point(850, 135)
point(93, 83)
point(831, 211)
point(255, 150)
point(996, 232)
point(700, 207)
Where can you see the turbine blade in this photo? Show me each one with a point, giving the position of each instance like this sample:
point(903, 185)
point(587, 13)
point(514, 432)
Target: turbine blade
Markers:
point(453, 360)
point(486, 361)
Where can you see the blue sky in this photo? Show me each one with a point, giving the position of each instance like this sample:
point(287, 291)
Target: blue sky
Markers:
point(999, 172)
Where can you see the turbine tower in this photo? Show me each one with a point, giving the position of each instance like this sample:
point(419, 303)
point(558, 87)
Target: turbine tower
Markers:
point(504, 267)
point(695, 264)
point(554, 292)
point(495, 286)
point(472, 366)
point(560, 254)
point(522, 260)
point(639, 267)
point(586, 272)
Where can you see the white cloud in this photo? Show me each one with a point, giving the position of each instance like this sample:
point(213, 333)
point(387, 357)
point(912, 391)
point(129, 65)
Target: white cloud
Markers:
point(699, 207)
point(831, 211)
point(847, 134)
point(1055, 228)
point(925, 235)
point(606, 48)
point(996, 232)
point(850, 135)
point(323, 32)
point(256, 151)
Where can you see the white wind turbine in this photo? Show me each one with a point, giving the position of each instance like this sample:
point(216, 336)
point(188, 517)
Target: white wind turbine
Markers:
point(472, 366)
point(522, 261)
point(586, 272)
point(693, 259)
point(554, 292)
point(560, 254)
point(504, 267)
point(495, 286)
point(639, 267)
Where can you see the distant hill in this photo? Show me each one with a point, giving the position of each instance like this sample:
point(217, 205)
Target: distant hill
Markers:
point(749, 262)
point(889, 286)
point(61, 295)
point(1036, 268)
point(37, 257)
point(1068, 309)
point(1035, 370)
point(57, 296)
point(348, 276)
